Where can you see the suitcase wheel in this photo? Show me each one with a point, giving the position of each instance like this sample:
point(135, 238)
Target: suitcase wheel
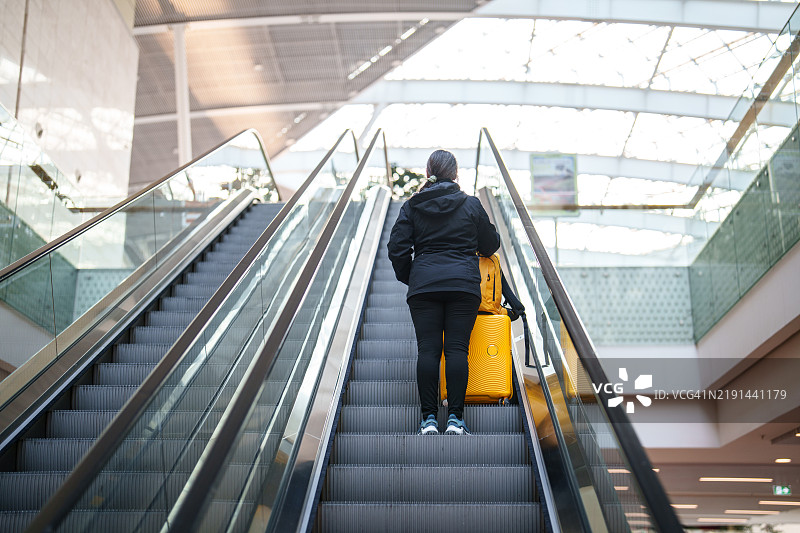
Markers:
point(503, 401)
point(444, 402)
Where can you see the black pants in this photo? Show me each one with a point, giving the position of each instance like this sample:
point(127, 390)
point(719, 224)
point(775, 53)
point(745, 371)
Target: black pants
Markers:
point(443, 320)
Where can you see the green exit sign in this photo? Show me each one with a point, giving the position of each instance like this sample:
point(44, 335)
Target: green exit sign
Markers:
point(782, 490)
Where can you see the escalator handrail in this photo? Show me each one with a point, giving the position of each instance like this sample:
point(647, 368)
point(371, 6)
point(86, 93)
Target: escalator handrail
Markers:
point(641, 468)
point(205, 476)
point(70, 492)
point(79, 230)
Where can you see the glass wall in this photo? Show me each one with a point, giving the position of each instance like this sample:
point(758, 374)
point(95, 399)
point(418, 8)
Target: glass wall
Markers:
point(46, 297)
point(37, 201)
point(749, 226)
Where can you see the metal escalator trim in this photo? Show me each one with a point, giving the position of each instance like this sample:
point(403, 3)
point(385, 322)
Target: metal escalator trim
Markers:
point(70, 492)
point(58, 242)
point(298, 500)
point(641, 468)
point(27, 392)
point(203, 479)
point(388, 165)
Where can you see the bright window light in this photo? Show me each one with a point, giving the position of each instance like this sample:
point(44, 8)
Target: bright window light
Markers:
point(323, 136)
point(738, 479)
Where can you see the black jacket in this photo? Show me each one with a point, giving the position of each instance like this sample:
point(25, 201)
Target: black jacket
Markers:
point(443, 227)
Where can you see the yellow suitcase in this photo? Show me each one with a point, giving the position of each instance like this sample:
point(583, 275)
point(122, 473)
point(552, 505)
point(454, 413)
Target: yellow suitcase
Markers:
point(489, 362)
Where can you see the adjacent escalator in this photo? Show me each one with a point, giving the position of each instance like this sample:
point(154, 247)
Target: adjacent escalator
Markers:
point(40, 461)
point(133, 470)
point(190, 255)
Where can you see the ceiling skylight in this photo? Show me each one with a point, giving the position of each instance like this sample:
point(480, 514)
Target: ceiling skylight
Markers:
point(654, 59)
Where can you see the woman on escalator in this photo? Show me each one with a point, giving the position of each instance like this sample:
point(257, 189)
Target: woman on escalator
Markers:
point(433, 248)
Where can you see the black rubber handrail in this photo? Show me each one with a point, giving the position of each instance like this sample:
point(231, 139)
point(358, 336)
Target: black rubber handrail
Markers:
point(204, 478)
point(75, 232)
point(657, 501)
point(86, 471)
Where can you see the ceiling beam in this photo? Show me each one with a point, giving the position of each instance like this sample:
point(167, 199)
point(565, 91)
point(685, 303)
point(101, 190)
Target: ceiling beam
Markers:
point(387, 92)
point(643, 220)
point(242, 110)
point(682, 173)
point(571, 96)
point(671, 257)
point(742, 15)
point(745, 15)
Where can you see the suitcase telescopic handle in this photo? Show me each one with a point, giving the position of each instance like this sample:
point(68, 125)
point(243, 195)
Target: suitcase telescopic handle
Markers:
point(529, 343)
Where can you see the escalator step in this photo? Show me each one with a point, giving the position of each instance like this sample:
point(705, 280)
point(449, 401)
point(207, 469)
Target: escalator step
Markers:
point(430, 484)
point(156, 334)
point(139, 353)
point(181, 423)
point(152, 353)
point(215, 266)
point(206, 278)
point(232, 247)
point(32, 489)
point(482, 449)
point(89, 424)
point(399, 517)
point(77, 424)
point(153, 455)
point(51, 454)
point(387, 350)
point(387, 300)
point(121, 374)
point(383, 263)
point(190, 305)
point(195, 397)
point(134, 374)
point(387, 332)
point(28, 490)
point(100, 397)
point(102, 520)
point(268, 210)
point(381, 393)
point(389, 288)
point(223, 257)
point(405, 419)
point(244, 237)
point(385, 369)
point(244, 231)
point(383, 274)
point(169, 318)
point(194, 291)
point(394, 315)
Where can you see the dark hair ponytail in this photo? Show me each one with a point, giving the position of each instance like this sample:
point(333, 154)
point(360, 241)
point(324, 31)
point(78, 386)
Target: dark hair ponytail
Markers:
point(443, 165)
